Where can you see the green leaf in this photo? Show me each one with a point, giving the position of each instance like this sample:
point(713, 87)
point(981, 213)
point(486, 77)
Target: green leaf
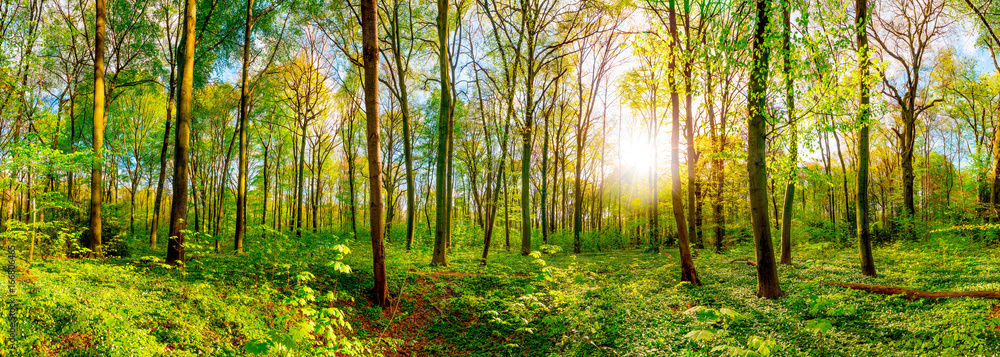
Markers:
point(819, 325)
point(700, 335)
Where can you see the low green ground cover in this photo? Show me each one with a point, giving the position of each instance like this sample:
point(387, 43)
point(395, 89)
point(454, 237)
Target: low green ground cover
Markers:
point(309, 297)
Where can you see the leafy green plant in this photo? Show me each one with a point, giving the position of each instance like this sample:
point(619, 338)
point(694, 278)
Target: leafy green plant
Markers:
point(313, 326)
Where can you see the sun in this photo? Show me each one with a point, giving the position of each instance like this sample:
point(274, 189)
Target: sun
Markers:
point(636, 155)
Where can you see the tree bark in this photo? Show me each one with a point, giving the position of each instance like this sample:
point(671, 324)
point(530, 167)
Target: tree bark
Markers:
point(717, 168)
point(526, 159)
point(155, 224)
point(545, 182)
point(441, 229)
point(688, 272)
point(97, 167)
point(786, 214)
point(404, 104)
point(689, 124)
point(909, 127)
point(864, 235)
point(369, 35)
point(241, 186)
point(300, 179)
point(182, 139)
point(767, 271)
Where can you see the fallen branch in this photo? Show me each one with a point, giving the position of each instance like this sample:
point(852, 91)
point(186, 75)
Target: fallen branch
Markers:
point(743, 260)
point(913, 294)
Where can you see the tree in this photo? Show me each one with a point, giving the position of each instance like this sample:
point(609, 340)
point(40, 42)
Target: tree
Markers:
point(786, 213)
point(179, 200)
point(988, 36)
point(398, 86)
point(241, 186)
point(97, 166)
point(504, 30)
point(247, 86)
point(905, 31)
point(369, 35)
point(864, 113)
point(767, 271)
point(445, 123)
point(688, 272)
point(169, 48)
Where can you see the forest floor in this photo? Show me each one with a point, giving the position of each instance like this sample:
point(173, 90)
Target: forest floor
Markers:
point(616, 303)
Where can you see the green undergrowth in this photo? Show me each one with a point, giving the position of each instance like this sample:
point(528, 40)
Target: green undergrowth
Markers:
point(310, 296)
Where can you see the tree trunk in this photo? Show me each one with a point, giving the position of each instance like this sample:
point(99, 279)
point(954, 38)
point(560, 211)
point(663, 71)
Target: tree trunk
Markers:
point(717, 166)
point(545, 182)
point(578, 191)
point(786, 214)
point(688, 272)
point(369, 35)
point(654, 190)
point(266, 184)
point(526, 160)
point(864, 235)
point(241, 186)
point(767, 271)
point(995, 194)
point(71, 175)
point(909, 128)
point(351, 168)
point(300, 181)
point(692, 156)
point(506, 215)
point(155, 225)
point(178, 209)
point(97, 167)
point(441, 229)
point(404, 104)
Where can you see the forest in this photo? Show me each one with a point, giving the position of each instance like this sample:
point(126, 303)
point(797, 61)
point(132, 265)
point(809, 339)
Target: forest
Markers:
point(500, 177)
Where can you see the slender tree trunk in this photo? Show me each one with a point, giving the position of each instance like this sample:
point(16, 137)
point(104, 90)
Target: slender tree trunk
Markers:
point(825, 155)
point(506, 215)
point(241, 186)
point(688, 272)
point(843, 177)
point(526, 162)
point(578, 191)
point(351, 168)
point(71, 175)
point(767, 271)
point(545, 183)
point(450, 173)
point(717, 168)
point(300, 181)
point(786, 215)
point(155, 225)
point(501, 177)
point(692, 156)
point(178, 209)
point(441, 229)
point(404, 104)
point(369, 34)
point(864, 235)
point(266, 185)
point(654, 190)
point(97, 167)
point(909, 128)
point(994, 197)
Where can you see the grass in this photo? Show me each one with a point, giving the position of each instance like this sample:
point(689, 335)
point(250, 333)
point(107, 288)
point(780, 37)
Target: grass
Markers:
point(616, 303)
